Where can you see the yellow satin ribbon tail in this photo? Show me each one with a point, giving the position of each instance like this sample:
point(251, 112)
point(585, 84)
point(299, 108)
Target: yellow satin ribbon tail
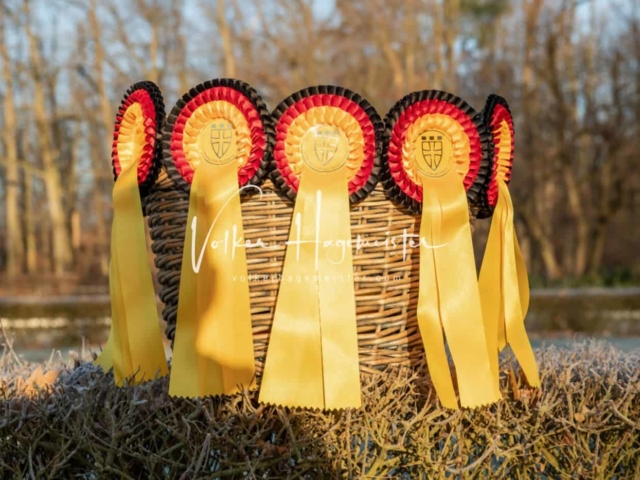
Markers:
point(135, 341)
point(452, 304)
point(312, 359)
point(225, 333)
point(429, 318)
point(186, 364)
point(489, 284)
point(293, 366)
point(516, 299)
point(214, 339)
point(504, 288)
point(338, 323)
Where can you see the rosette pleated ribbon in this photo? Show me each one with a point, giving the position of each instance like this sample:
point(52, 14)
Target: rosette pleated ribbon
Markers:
point(437, 155)
point(503, 282)
point(134, 348)
point(326, 156)
point(217, 142)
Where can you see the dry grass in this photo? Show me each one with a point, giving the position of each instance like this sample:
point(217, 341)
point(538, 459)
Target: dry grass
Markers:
point(585, 424)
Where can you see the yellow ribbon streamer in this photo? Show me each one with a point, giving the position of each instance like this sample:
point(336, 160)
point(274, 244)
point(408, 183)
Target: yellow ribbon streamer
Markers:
point(135, 344)
point(504, 289)
point(448, 299)
point(436, 154)
point(312, 359)
point(213, 351)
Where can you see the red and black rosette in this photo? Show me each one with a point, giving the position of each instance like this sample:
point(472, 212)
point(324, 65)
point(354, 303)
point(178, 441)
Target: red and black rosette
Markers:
point(244, 131)
point(137, 131)
point(445, 132)
point(499, 123)
point(356, 122)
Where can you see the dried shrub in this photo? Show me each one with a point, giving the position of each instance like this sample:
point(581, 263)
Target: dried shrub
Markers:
point(584, 424)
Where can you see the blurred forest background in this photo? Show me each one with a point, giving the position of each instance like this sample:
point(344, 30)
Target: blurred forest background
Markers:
point(569, 68)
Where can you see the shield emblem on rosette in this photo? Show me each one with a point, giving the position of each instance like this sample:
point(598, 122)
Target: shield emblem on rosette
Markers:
point(432, 151)
point(221, 136)
point(326, 145)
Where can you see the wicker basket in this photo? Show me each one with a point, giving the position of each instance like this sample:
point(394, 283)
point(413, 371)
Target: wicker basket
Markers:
point(386, 284)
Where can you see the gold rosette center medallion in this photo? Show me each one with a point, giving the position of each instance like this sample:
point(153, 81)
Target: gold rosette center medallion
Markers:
point(325, 148)
point(433, 153)
point(217, 142)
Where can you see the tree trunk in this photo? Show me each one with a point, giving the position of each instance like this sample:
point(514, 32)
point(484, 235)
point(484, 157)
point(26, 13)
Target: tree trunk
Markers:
point(15, 246)
point(98, 205)
point(62, 255)
point(579, 213)
point(154, 47)
point(452, 18)
point(526, 141)
point(225, 35)
point(386, 45)
point(100, 157)
point(29, 220)
point(30, 226)
point(438, 37)
point(551, 265)
point(411, 29)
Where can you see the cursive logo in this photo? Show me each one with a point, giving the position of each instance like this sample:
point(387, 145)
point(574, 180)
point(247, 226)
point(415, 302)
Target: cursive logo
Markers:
point(334, 249)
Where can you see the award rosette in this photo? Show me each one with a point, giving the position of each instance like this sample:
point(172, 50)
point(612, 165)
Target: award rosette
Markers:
point(326, 156)
point(218, 139)
point(503, 282)
point(134, 349)
point(437, 154)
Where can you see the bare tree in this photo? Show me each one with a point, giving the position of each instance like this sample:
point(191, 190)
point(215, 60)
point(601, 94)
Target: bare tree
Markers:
point(15, 245)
